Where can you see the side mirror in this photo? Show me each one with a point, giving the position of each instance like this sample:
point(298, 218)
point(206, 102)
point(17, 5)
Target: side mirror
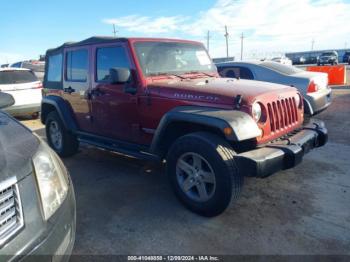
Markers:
point(119, 75)
point(6, 100)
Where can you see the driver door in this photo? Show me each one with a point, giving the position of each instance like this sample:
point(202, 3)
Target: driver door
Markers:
point(114, 111)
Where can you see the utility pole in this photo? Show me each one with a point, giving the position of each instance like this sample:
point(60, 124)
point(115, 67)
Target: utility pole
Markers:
point(226, 36)
point(345, 45)
point(208, 39)
point(242, 37)
point(312, 44)
point(114, 31)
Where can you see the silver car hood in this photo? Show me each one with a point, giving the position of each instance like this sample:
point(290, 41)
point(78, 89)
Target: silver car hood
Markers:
point(17, 147)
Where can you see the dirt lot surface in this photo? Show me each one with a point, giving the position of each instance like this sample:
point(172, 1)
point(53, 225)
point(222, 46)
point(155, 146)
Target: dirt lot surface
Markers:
point(125, 206)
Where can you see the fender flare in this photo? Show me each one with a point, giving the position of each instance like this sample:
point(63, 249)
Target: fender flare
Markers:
point(242, 124)
point(307, 107)
point(61, 108)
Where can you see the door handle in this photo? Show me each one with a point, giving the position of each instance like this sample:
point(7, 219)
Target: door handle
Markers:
point(69, 90)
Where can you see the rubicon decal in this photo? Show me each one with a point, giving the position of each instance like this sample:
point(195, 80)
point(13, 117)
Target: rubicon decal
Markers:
point(196, 97)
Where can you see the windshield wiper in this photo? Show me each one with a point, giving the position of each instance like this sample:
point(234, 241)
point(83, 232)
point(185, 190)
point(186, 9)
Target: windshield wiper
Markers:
point(167, 74)
point(198, 72)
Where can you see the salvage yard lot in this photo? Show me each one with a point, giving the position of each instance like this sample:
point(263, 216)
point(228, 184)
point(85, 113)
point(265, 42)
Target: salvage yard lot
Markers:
point(125, 206)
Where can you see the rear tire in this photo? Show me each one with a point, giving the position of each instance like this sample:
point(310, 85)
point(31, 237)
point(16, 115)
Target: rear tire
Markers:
point(201, 162)
point(59, 138)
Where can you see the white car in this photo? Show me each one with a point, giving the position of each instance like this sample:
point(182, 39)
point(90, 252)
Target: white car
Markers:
point(25, 88)
point(282, 60)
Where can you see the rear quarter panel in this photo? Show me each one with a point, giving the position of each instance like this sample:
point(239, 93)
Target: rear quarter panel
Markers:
point(267, 75)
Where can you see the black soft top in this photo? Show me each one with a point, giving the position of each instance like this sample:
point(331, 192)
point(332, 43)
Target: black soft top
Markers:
point(88, 41)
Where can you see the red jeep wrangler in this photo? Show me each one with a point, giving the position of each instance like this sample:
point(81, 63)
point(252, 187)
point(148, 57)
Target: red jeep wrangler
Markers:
point(162, 99)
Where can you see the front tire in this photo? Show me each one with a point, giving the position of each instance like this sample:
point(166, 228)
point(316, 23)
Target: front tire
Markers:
point(59, 138)
point(203, 173)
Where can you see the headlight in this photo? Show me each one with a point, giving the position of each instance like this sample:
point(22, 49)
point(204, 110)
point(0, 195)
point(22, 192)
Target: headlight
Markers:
point(52, 179)
point(256, 111)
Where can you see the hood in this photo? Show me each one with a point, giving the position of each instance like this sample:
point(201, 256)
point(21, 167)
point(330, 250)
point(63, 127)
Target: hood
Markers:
point(17, 146)
point(216, 90)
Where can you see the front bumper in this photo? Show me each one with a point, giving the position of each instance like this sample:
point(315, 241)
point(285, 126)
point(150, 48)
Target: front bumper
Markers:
point(283, 154)
point(319, 101)
point(327, 61)
point(58, 245)
point(39, 240)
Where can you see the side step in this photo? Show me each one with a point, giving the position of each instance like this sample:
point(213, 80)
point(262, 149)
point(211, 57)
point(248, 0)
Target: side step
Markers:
point(125, 148)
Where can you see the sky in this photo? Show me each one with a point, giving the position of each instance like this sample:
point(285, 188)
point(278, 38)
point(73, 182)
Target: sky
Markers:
point(30, 27)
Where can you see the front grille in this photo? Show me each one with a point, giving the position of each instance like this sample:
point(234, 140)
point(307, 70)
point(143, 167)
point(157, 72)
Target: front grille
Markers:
point(11, 216)
point(282, 113)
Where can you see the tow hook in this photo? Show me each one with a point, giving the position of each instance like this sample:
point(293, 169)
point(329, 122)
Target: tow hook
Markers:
point(238, 101)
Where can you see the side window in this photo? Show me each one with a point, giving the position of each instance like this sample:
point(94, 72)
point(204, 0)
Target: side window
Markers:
point(77, 65)
point(107, 58)
point(230, 72)
point(245, 73)
point(18, 65)
point(235, 72)
point(55, 68)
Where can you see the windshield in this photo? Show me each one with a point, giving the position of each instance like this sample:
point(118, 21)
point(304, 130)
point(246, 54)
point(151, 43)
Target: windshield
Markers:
point(158, 58)
point(17, 77)
point(284, 69)
point(328, 54)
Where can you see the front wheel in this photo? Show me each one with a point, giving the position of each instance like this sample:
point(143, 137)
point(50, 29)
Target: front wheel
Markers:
point(59, 138)
point(203, 173)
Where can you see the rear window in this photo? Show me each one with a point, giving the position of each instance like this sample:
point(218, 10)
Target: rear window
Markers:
point(280, 68)
point(55, 68)
point(17, 77)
